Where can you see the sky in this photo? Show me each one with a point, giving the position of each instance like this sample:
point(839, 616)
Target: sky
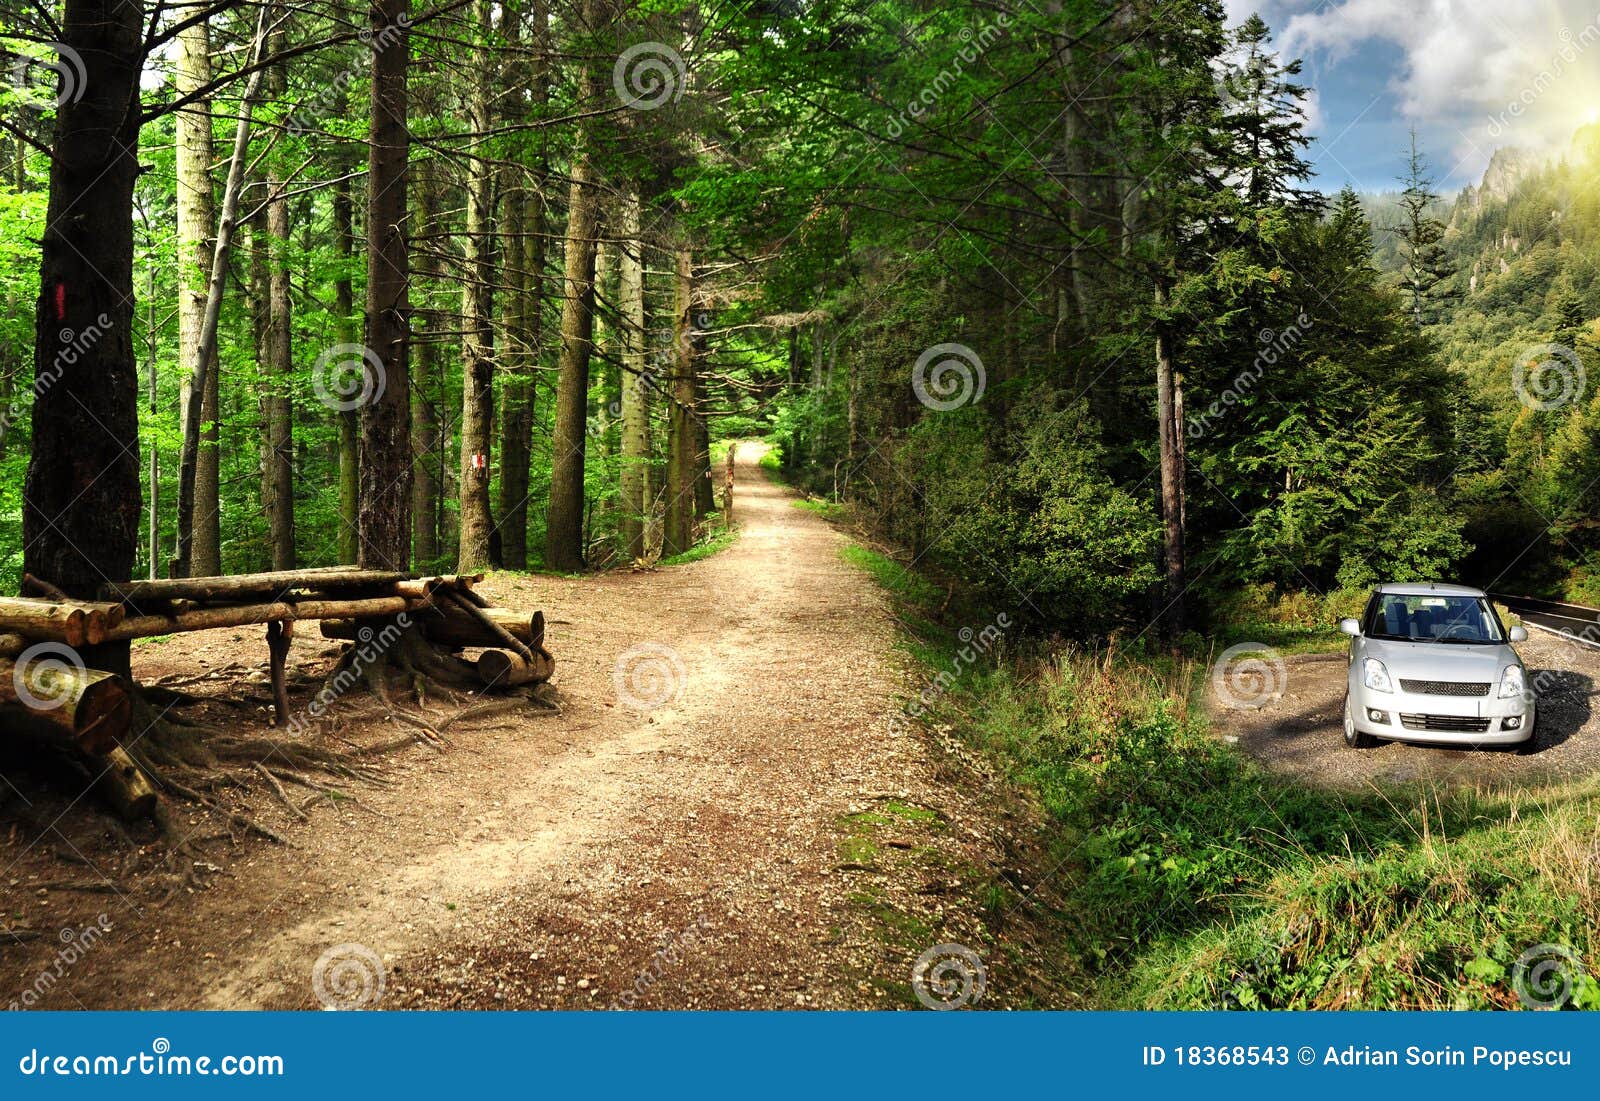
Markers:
point(1469, 75)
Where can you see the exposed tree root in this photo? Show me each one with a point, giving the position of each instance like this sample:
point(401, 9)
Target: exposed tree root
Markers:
point(277, 788)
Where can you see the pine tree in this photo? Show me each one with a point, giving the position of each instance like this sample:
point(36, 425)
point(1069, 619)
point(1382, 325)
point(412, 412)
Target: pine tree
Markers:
point(1427, 271)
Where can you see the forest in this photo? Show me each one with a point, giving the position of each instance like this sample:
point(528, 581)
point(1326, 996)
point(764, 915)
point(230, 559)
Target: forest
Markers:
point(1038, 302)
point(836, 226)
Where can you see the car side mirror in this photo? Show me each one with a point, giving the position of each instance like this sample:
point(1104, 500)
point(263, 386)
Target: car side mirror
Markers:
point(1518, 634)
point(1350, 627)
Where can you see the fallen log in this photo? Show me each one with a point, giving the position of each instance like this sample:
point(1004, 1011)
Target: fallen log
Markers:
point(244, 615)
point(275, 586)
point(123, 784)
point(475, 613)
point(450, 627)
point(11, 644)
point(506, 669)
point(88, 706)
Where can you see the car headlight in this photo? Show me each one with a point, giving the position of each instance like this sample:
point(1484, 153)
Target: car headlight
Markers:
point(1375, 676)
point(1511, 682)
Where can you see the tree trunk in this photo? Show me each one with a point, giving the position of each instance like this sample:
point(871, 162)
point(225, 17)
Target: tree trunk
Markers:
point(189, 454)
point(1168, 403)
point(635, 391)
point(425, 436)
point(705, 501)
point(81, 500)
point(678, 525)
point(525, 226)
point(277, 405)
point(564, 524)
point(196, 225)
point(477, 347)
point(344, 306)
point(385, 512)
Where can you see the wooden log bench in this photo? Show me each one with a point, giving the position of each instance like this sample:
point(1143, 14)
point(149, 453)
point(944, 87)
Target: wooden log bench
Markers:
point(344, 599)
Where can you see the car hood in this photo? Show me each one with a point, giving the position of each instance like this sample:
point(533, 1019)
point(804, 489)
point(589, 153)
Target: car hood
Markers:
point(1443, 660)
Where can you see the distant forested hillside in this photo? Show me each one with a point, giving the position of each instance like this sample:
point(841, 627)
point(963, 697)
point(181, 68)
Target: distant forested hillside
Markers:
point(1519, 323)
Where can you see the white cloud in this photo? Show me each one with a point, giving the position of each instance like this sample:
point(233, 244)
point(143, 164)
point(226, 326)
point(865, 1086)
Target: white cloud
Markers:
point(1495, 73)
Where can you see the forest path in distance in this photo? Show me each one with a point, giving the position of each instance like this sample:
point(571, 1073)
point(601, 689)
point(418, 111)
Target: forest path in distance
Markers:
point(705, 853)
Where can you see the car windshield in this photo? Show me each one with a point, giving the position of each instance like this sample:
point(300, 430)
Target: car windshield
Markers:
point(1424, 618)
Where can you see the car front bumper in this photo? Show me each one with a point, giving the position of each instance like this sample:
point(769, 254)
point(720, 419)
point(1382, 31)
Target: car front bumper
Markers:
point(1498, 713)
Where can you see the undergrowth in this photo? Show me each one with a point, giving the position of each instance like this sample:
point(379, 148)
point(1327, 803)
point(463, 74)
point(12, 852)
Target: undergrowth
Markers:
point(1181, 875)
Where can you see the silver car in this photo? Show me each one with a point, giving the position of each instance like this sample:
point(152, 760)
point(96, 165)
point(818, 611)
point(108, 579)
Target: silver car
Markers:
point(1433, 663)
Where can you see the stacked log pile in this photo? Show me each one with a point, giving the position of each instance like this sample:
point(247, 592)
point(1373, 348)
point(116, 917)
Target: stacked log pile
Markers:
point(43, 680)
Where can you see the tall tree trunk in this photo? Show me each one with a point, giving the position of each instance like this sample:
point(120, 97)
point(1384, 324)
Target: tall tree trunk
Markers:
point(516, 412)
point(678, 523)
point(154, 512)
point(1169, 402)
point(705, 501)
point(477, 339)
point(276, 405)
point(425, 437)
point(563, 548)
point(189, 454)
point(524, 226)
point(279, 408)
point(81, 500)
point(344, 305)
point(196, 225)
point(635, 391)
point(385, 513)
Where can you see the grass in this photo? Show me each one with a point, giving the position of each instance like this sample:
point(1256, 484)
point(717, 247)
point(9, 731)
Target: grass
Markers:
point(828, 510)
point(1173, 872)
point(904, 584)
point(717, 540)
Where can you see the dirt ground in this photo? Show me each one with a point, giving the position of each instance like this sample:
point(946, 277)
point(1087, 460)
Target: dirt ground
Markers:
point(721, 816)
point(1300, 733)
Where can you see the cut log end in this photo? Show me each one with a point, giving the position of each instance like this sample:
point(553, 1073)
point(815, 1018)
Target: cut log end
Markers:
point(505, 669)
point(90, 707)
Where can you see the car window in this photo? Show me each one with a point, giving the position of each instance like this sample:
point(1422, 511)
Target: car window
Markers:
point(1429, 618)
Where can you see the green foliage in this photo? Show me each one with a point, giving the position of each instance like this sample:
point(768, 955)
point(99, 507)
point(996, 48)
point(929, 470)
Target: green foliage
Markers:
point(714, 540)
point(1196, 881)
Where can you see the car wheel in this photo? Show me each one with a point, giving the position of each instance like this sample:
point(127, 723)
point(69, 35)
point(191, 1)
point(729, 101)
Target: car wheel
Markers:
point(1354, 738)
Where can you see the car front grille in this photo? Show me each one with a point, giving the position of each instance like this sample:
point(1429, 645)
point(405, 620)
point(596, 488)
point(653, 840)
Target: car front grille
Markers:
point(1458, 724)
point(1445, 687)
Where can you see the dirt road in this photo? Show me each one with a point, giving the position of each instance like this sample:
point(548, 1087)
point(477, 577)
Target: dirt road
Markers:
point(722, 816)
point(1299, 732)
